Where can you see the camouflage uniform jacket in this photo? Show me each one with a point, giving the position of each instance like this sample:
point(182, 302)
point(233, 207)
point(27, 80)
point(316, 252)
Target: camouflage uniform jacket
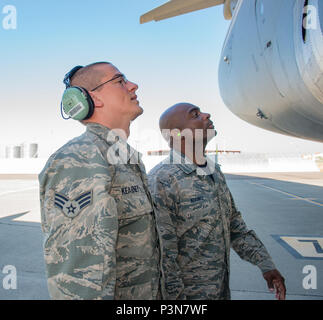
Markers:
point(199, 223)
point(100, 237)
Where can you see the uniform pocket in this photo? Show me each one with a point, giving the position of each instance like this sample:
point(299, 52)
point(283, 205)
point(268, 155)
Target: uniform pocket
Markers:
point(137, 237)
point(191, 212)
point(131, 200)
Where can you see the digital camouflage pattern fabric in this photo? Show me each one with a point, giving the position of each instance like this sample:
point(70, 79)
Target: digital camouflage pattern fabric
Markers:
point(199, 223)
point(99, 226)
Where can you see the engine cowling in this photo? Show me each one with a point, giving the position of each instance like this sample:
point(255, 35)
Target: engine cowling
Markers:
point(271, 71)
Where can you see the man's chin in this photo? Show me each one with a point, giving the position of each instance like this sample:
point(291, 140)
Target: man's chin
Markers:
point(139, 112)
point(211, 133)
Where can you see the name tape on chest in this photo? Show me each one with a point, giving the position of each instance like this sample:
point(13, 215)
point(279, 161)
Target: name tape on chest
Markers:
point(131, 189)
point(196, 199)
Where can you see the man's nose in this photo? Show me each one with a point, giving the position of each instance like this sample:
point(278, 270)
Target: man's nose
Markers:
point(206, 115)
point(132, 86)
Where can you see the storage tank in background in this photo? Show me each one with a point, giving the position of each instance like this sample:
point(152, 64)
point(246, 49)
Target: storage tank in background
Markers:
point(17, 152)
point(33, 150)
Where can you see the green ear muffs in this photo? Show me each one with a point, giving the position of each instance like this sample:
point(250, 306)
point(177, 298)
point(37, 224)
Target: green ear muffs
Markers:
point(77, 103)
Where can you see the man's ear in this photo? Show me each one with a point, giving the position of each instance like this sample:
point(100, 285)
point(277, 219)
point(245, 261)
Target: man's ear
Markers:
point(98, 103)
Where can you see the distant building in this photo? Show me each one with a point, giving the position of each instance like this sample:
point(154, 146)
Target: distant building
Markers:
point(166, 152)
point(22, 151)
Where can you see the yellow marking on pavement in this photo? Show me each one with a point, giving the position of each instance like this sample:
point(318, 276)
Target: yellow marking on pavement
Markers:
point(296, 197)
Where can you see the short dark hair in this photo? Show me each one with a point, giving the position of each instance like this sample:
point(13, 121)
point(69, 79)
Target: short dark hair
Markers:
point(89, 76)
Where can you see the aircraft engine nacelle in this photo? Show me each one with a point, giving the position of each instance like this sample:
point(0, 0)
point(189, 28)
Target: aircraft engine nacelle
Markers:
point(271, 70)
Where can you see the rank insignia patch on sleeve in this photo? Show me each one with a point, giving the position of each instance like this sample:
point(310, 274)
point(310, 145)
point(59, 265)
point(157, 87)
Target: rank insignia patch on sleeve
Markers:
point(72, 208)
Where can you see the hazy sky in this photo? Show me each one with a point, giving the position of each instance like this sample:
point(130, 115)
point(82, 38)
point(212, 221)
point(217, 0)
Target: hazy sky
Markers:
point(172, 61)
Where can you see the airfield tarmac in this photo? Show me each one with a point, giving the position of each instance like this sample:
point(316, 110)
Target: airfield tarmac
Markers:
point(285, 210)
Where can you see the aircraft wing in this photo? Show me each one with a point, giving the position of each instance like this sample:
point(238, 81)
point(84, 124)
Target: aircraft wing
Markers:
point(175, 8)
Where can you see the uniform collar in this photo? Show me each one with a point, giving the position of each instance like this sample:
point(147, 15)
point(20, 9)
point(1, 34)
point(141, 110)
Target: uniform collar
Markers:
point(128, 154)
point(186, 164)
point(98, 129)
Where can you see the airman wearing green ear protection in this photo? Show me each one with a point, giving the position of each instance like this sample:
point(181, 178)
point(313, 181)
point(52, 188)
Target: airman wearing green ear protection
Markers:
point(98, 220)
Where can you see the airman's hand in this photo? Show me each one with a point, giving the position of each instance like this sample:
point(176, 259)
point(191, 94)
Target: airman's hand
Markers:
point(275, 281)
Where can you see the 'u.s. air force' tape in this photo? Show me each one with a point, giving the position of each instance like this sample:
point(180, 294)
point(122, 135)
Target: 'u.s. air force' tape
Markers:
point(72, 208)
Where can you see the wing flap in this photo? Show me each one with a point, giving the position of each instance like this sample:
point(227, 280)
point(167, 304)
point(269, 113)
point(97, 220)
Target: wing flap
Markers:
point(175, 8)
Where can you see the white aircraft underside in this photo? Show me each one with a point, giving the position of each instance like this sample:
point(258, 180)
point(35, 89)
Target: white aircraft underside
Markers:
point(271, 67)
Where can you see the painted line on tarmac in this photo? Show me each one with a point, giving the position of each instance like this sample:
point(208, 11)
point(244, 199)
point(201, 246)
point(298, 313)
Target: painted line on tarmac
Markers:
point(290, 194)
point(302, 247)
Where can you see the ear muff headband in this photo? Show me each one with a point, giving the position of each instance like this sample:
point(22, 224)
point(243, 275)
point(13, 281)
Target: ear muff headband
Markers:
point(69, 75)
point(76, 101)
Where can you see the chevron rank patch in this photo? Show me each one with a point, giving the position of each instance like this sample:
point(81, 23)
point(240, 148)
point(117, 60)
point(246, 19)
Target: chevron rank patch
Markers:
point(72, 208)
